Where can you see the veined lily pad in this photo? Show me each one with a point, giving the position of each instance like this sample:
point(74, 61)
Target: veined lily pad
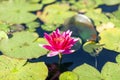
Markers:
point(32, 26)
point(111, 71)
point(22, 45)
point(111, 39)
point(68, 76)
point(84, 6)
point(98, 17)
point(16, 69)
point(87, 72)
point(55, 14)
point(17, 11)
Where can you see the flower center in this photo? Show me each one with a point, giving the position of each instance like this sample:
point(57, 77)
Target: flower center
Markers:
point(59, 39)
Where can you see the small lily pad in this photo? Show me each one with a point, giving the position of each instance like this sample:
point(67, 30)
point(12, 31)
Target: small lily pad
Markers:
point(92, 48)
point(16, 69)
point(87, 72)
point(68, 75)
point(22, 45)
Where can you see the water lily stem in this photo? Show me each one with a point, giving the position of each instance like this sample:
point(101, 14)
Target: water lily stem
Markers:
point(60, 59)
point(96, 62)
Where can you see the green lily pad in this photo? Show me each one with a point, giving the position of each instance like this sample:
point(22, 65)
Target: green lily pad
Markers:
point(32, 26)
point(47, 1)
point(3, 35)
point(49, 27)
point(94, 16)
point(118, 58)
point(116, 14)
point(16, 69)
point(111, 2)
point(87, 72)
point(53, 14)
point(111, 39)
point(85, 6)
point(92, 48)
point(68, 75)
point(111, 71)
point(22, 45)
point(19, 11)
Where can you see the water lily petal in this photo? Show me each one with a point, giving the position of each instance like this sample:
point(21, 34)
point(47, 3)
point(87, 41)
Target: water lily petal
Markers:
point(52, 53)
point(48, 47)
point(48, 37)
point(68, 51)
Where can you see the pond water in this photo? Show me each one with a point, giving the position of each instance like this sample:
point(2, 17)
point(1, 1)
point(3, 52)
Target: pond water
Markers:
point(80, 57)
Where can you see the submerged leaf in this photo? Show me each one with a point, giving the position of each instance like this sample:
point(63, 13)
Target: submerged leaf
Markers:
point(16, 69)
point(81, 26)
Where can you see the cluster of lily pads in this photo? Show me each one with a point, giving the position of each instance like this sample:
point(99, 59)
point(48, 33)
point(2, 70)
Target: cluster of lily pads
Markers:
point(20, 21)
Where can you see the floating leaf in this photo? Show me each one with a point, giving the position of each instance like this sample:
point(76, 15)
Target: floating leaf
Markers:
point(97, 17)
point(56, 14)
point(47, 1)
point(110, 40)
point(92, 48)
point(68, 76)
point(22, 45)
point(18, 11)
point(118, 58)
point(81, 26)
point(86, 5)
point(117, 14)
point(48, 27)
point(3, 35)
point(111, 71)
point(104, 26)
point(34, 1)
point(16, 69)
point(111, 2)
point(87, 72)
point(32, 26)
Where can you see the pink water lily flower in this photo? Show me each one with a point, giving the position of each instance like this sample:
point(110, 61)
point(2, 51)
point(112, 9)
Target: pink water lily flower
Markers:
point(59, 43)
